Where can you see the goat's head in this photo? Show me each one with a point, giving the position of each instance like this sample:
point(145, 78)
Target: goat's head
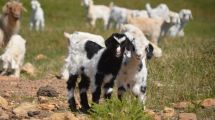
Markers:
point(140, 47)
point(185, 15)
point(174, 18)
point(117, 44)
point(35, 4)
point(13, 9)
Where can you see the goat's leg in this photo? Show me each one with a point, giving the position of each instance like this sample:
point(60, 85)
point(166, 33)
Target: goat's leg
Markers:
point(17, 72)
point(97, 87)
point(71, 83)
point(108, 87)
point(83, 87)
point(37, 25)
point(121, 91)
point(4, 72)
point(42, 25)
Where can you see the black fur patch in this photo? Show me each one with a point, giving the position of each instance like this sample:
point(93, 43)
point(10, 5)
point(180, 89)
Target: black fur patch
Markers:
point(140, 66)
point(143, 89)
point(122, 89)
point(91, 48)
point(84, 84)
point(149, 51)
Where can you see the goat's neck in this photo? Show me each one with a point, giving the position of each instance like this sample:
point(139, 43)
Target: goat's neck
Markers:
point(11, 24)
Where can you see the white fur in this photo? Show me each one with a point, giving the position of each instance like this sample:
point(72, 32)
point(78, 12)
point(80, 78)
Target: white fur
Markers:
point(37, 19)
point(119, 15)
point(177, 30)
point(129, 72)
point(14, 54)
point(161, 11)
point(95, 12)
point(154, 28)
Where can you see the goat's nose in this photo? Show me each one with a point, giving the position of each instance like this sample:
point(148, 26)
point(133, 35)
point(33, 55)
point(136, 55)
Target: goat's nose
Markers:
point(138, 56)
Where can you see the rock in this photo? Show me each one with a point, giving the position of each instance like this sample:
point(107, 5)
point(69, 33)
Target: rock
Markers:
point(29, 69)
point(47, 91)
point(168, 112)
point(208, 103)
point(40, 57)
point(23, 109)
point(3, 102)
point(42, 99)
point(181, 105)
point(33, 113)
point(149, 112)
point(157, 117)
point(187, 116)
point(48, 106)
point(63, 116)
point(4, 116)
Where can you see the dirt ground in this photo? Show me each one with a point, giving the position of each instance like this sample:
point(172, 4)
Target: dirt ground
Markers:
point(12, 86)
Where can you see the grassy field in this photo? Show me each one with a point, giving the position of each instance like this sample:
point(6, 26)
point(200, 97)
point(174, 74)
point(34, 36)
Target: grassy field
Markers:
point(186, 70)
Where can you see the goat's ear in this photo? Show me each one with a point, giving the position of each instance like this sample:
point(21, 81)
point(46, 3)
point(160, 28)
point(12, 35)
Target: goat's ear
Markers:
point(66, 35)
point(5, 8)
point(109, 42)
point(149, 51)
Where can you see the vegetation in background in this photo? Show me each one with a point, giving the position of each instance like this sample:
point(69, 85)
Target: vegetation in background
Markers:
point(185, 71)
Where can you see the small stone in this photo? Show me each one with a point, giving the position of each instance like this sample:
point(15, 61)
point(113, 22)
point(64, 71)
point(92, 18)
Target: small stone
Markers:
point(4, 116)
point(42, 99)
point(33, 113)
point(47, 91)
point(181, 105)
point(47, 106)
point(187, 116)
point(168, 112)
point(29, 69)
point(23, 108)
point(3, 102)
point(208, 103)
point(40, 57)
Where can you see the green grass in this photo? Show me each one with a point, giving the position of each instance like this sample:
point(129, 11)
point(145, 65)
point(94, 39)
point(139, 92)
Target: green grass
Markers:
point(186, 68)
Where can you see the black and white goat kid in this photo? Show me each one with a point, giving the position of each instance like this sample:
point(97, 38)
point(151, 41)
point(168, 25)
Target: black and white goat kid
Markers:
point(98, 70)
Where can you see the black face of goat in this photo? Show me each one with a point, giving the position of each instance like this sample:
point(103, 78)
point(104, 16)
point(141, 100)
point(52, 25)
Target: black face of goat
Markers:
point(117, 43)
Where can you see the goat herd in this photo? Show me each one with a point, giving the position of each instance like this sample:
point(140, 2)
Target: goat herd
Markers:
point(120, 59)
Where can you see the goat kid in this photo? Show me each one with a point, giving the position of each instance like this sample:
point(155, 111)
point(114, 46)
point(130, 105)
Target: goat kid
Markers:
point(99, 70)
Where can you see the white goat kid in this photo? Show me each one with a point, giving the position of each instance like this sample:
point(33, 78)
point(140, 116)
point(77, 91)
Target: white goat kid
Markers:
point(133, 72)
point(178, 29)
point(14, 54)
point(37, 19)
point(98, 12)
point(161, 11)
